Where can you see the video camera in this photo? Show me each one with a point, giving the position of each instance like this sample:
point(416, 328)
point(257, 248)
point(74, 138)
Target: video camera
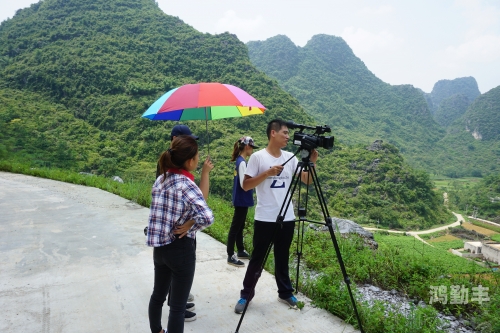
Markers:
point(311, 141)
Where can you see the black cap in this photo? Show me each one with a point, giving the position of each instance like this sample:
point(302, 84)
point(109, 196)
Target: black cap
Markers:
point(182, 130)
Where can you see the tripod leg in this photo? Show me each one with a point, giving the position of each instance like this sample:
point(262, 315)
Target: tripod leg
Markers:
point(329, 224)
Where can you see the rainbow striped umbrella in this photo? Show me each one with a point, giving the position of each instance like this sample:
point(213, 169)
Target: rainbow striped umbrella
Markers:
point(206, 101)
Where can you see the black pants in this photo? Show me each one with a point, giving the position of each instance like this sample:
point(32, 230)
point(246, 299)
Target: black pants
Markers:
point(235, 234)
point(174, 267)
point(262, 237)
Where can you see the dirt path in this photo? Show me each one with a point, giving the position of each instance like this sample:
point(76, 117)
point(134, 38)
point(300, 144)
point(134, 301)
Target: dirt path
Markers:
point(416, 233)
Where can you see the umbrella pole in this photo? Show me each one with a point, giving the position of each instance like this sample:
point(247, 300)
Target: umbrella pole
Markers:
point(208, 137)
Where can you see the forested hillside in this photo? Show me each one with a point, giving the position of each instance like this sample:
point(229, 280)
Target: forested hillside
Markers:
point(471, 146)
point(444, 89)
point(449, 99)
point(76, 76)
point(482, 119)
point(335, 87)
point(485, 197)
point(450, 109)
point(104, 63)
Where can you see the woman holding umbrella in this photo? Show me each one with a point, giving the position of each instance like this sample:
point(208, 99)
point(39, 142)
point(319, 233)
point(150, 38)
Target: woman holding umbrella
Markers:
point(178, 210)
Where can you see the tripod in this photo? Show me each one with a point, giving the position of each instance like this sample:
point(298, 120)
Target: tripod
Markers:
point(307, 166)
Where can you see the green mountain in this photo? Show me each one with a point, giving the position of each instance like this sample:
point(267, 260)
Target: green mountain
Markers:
point(444, 89)
point(471, 146)
point(450, 109)
point(76, 76)
point(449, 99)
point(104, 63)
point(482, 119)
point(336, 87)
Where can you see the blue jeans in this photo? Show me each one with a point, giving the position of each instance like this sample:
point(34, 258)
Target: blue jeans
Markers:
point(262, 238)
point(174, 270)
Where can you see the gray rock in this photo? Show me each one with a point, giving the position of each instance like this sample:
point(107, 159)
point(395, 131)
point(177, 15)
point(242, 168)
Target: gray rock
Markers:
point(395, 301)
point(117, 179)
point(376, 145)
point(349, 227)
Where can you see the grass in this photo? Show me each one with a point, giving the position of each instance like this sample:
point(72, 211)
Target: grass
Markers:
point(446, 243)
point(445, 182)
point(444, 238)
point(479, 230)
point(485, 225)
point(400, 262)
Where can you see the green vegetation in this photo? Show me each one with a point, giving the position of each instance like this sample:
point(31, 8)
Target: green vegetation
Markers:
point(485, 225)
point(71, 97)
point(483, 196)
point(451, 109)
point(336, 88)
point(373, 185)
point(482, 116)
point(465, 87)
point(446, 245)
point(447, 183)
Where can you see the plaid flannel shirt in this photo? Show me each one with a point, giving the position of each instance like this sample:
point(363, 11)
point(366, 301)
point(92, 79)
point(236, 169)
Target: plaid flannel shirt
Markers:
point(176, 200)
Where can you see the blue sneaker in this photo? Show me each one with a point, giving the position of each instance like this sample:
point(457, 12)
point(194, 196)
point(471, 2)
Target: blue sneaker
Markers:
point(290, 301)
point(240, 306)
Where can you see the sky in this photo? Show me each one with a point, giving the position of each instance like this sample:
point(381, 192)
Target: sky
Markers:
point(415, 42)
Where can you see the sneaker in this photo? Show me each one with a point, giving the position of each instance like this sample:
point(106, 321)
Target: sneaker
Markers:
point(189, 306)
point(189, 316)
point(233, 260)
point(240, 306)
point(290, 301)
point(243, 255)
point(190, 297)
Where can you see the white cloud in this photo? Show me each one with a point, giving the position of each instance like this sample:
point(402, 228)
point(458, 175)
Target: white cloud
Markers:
point(481, 41)
point(231, 22)
point(362, 40)
point(378, 11)
point(481, 49)
point(480, 17)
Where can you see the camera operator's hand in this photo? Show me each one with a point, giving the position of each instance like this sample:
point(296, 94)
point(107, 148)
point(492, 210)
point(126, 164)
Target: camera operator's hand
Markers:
point(314, 156)
point(275, 170)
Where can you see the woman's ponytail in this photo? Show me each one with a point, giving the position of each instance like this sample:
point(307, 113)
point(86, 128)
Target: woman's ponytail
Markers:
point(237, 149)
point(183, 148)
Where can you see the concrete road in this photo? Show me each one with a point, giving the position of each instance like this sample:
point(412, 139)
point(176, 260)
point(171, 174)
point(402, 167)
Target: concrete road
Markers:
point(73, 259)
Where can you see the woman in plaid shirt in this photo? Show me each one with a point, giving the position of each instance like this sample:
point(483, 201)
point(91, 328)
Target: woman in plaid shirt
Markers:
point(178, 210)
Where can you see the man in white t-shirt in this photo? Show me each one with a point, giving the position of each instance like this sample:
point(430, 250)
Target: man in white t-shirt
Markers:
point(271, 181)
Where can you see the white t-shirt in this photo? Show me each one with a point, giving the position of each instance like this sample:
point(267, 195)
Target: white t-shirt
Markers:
point(272, 191)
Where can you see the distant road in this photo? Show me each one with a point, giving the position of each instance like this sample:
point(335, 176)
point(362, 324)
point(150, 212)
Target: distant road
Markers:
point(416, 233)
